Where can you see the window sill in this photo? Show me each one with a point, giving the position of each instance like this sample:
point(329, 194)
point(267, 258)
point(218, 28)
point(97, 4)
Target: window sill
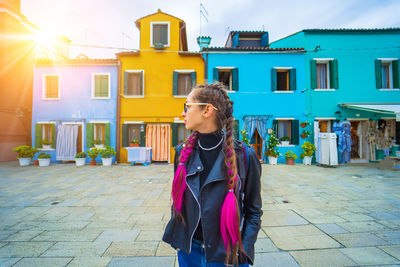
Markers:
point(46, 149)
point(286, 146)
point(230, 91)
point(180, 96)
point(101, 98)
point(389, 89)
point(133, 96)
point(283, 92)
point(50, 99)
point(324, 90)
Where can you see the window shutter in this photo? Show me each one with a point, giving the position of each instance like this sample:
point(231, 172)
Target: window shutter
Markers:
point(125, 135)
point(395, 69)
point(194, 79)
point(236, 129)
point(275, 127)
point(215, 75)
point(333, 73)
point(274, 84)
point(235, 79)
point(398, 132)
point(53, 136)
point(38, 135)
point(107, 135)
point(142, 135)
point(142, 82)
point(292, 79)
point(174, 128)
point(313, 73)
point(378, 73)
point(175, 83)
point(104, 86)
point(126, 77)
point(97, 86)
point(89, 135)
point(295, 132)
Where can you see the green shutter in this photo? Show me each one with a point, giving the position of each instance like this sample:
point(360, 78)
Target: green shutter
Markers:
point(395, 69)
point(104, 85)
point(97, 86)
point(142, 135)
point(333, 74)
point(274, 84)
point(292, 79)
point(215, 75)
point(107, 135)
point(194, 79)
point(53, 135)
point(126, 76)
point(295, 132)
point(175, 83)
point(313, 72)
point(125, 135)
point(89, 135)
point(235, 79)
point(142, 82)
point(174, 128)
point(275, 127)
point(236, 129)
point(38, 135)
point(378, 74)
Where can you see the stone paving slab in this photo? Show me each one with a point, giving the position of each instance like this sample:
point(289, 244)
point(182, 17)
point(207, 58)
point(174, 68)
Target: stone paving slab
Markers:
point(40, 262)
point(24, 249)
point(90, 261)
point(275, 259)
point(142, 261)
point(76, 249)
point(323, 257)
point(68, 236)
point(359, 240)
point(25, 236)
point(393, 251)
point(281, 217)
point(6, 262)
point(131, 249)
point(369, 256)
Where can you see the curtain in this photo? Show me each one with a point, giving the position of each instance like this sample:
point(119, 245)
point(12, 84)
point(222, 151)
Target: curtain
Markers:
point(316, 141)
point(262, 123)
point(262, 128)
point(66, 142)
point(249, 124)
point(158, 137)
point(322, 76)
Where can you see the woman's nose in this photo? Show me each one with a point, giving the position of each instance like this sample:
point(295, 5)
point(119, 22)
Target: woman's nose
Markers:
point(183, 114)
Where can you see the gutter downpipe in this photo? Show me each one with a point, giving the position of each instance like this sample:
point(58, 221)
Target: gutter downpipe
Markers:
point(118, 113)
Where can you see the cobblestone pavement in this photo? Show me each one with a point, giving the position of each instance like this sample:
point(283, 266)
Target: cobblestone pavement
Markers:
point(64, 215)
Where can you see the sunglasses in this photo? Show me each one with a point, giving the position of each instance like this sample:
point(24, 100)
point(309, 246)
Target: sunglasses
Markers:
point(186, 105)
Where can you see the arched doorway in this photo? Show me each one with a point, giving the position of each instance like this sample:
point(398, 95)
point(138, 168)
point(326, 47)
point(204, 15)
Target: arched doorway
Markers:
point(256, 142)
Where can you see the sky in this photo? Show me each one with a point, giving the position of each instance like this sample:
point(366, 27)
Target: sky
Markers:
point(111, 23)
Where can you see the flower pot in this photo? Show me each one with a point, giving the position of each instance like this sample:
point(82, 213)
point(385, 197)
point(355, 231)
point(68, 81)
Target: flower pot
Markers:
point(101, 146)
point(303, 125)
point(24, 161)
point(289, 161)
point(107, 161)
point(272, 160)
point(35, 162)
point(285, 143)
point(80, 161)
point(44, 162)
point(93, 163)
point(307, 160)
point(303, 136)
point(46, 146)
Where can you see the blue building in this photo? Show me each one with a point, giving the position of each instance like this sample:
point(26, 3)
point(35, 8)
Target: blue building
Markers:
point(352, 76)
point(74, 103)
point(266, 85)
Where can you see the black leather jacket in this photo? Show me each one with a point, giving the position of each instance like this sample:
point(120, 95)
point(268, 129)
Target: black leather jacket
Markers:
point(207, 202)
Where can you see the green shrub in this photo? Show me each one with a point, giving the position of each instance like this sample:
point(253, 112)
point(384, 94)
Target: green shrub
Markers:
point(93, 153)
point(44, 156)
point(25, 151)
point(97, 141)
point(107, 152)
point(45, 142)
point(290, 155)
point(81, 155)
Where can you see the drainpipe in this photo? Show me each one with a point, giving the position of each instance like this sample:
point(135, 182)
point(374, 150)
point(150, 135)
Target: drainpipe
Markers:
point(118, 113)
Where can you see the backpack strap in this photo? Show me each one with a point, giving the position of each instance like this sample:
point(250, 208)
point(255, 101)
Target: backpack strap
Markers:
point(245, 156)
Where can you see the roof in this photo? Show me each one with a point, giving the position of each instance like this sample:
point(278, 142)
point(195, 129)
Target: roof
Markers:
point(128, 53)
point(248, 32)
point(387, 108)
point(79, 61)
point(137, 22)
point(351, 30)
point(251, 48)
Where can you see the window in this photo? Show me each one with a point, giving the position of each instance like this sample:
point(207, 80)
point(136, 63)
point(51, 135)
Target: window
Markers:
point(183, 82)
point(287, 128)
point(159, 33)
point(99, 130)
point(45, 131)
point(325, 126)
point(51, 87)
point(228, 77)
point(134, 83)
point(387, 73)
point(134, 131)
point(101, 85)
point(283, 79)
point(183, 133)
point(324, 74)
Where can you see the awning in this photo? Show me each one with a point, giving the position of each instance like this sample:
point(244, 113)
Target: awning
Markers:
point(387, 108)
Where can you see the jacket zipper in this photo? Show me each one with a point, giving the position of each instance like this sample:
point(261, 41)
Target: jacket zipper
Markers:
point(191, 238)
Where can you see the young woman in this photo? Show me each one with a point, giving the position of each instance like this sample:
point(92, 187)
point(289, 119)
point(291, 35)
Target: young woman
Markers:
point(216, 207)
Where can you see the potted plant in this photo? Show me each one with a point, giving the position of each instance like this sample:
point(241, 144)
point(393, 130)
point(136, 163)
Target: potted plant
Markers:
point(304, 124)
point(80, 159)
point(93, 153)
point(106, 155)
point(46, 144)
point(285, 141)
point(134, 143)
point(308, 151)
point(290, 157)
point(244, 137)
point(159, 46)
point(272, 150)
point(98, 143)
point(25, 154)
point(44, 159)
point(305, 133)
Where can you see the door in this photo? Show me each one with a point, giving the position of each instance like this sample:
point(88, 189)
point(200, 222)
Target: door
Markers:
point(158, 137)
point(256, 142)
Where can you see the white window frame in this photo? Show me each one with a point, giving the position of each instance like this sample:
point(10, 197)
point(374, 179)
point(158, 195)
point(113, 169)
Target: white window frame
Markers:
point(390, 62)
point(135, 96)
point(183, 72)
point(44, 87)
point(83, 132)
point(285, 119)
point(328, 82)
point(160, 23)
point(230, 79)
point(94, 85)
point(46, 122)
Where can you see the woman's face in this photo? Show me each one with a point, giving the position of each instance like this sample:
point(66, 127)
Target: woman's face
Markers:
point(193, 117)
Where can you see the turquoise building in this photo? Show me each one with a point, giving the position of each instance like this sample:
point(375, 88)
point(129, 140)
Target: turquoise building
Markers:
point(266, 85)
point(352, 75)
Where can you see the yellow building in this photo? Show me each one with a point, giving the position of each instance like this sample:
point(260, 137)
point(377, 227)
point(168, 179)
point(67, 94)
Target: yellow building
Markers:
point(155, 81)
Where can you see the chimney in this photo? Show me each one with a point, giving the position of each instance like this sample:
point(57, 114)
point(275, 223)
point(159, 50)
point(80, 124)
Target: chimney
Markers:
point(203, 42)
